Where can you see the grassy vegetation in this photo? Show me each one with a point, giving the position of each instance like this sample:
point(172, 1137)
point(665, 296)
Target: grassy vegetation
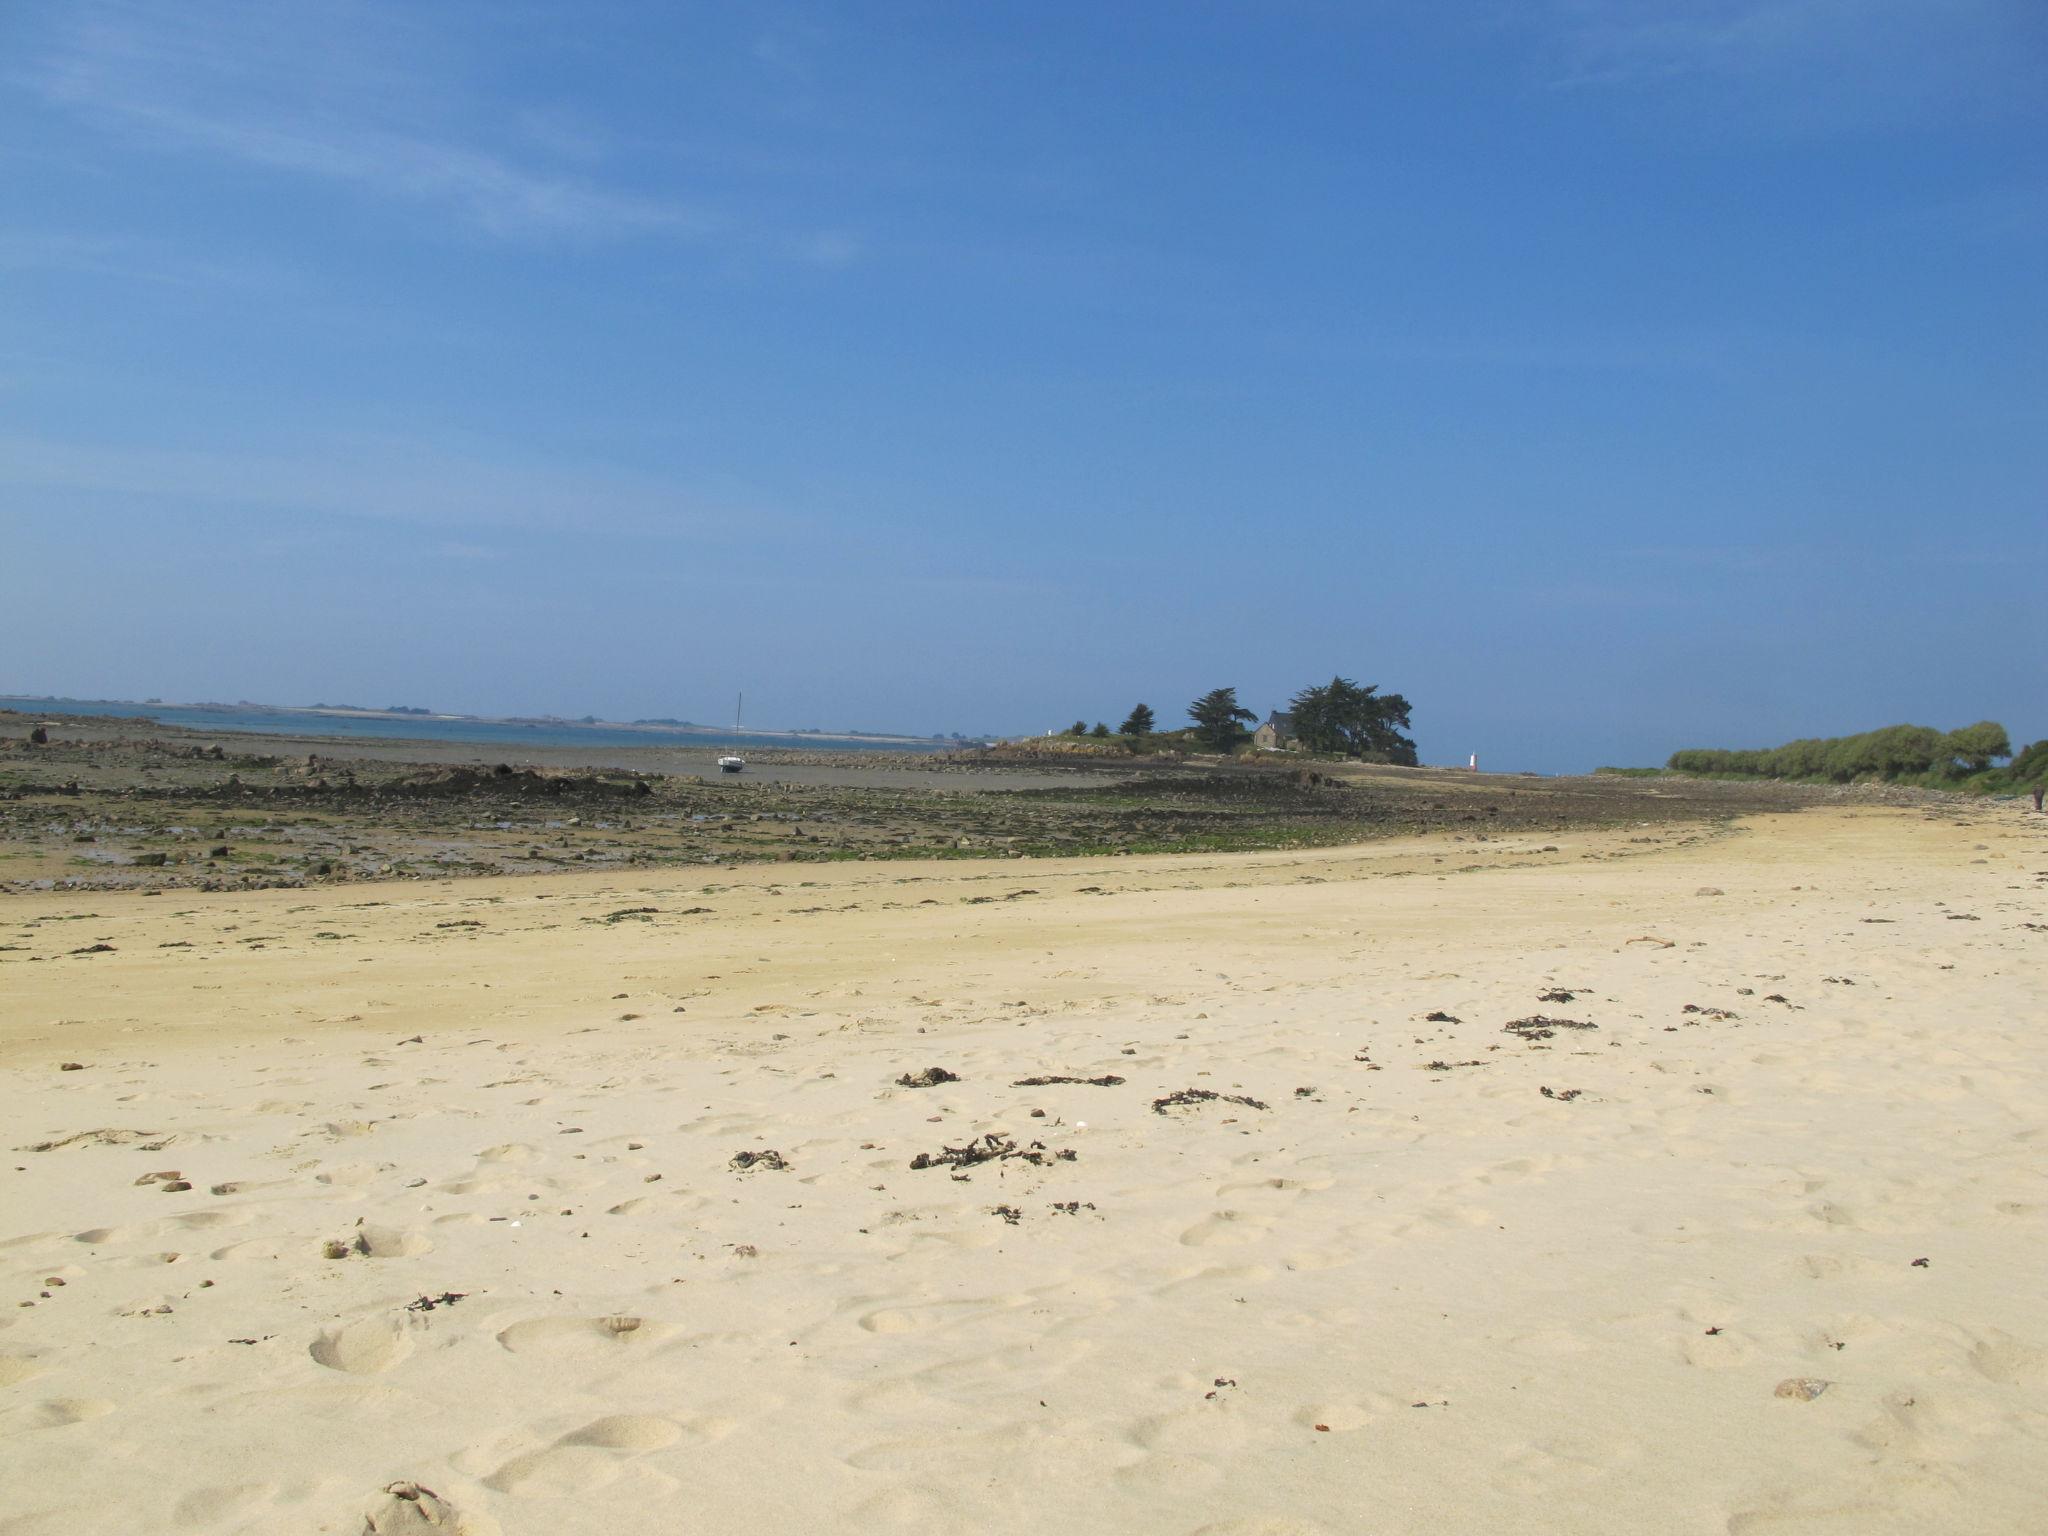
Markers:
point(1898, 754)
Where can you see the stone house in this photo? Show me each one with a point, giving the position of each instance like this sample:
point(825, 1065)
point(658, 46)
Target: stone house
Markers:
point(1276, 734)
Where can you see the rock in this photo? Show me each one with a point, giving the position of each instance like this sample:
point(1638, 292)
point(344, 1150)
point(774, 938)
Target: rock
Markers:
point(1710, 890)
point(930, 1077)
point(1802, 1389)
point(407, 1509)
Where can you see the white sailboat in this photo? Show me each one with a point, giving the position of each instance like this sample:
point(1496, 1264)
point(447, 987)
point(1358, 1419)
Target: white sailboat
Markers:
point(732, 762)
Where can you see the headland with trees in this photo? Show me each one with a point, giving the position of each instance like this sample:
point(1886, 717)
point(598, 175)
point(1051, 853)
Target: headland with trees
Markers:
point(1340, 718)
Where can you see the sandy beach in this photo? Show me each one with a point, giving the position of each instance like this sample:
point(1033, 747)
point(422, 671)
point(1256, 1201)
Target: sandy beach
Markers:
point(1665, 1179)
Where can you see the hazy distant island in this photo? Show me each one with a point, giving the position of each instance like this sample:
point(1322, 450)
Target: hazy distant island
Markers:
point(255, 716)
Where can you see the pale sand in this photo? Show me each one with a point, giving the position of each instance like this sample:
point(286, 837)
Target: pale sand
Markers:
point(1403, 1300)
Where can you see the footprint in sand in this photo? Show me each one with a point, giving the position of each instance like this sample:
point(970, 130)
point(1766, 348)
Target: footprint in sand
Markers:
point(891, 1320)
point(1787, 1519)
point(379, 1243)
point(349, 1175)
point(1227, 1229)
point(220, 1506)
point(585, 1459)
point(1829, 1266)
point(1161, 1473)
point(2013, 1362)
point(1217, 1276)
point(626, 1432)
point(1298, 1185)
point(569, 1335)
point(917, 1509)
point(1516, 1169)
point(1829, 1214)
point(1307, 1260)
point(1550, 1343)
point(254, 1248)
point(1340, 1417)
point(365, 1348)
point(56, 1412)
point(202, 1220)
point(1441, 1216)
point(1718, 1350)
point(477, 1186)
point(1920, 1426)
point(1533, 1470)
point(18, 1368)
point(1202, 1431)
point(938, 1314)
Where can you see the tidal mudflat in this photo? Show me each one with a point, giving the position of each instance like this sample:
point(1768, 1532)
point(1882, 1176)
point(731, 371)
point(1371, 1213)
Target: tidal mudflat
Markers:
point(120, 806)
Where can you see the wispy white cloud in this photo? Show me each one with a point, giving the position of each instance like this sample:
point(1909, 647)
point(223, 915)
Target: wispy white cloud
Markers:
point(330, 91)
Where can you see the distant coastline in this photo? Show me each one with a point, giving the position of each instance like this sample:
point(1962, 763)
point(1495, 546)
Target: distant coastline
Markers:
point(409, 723)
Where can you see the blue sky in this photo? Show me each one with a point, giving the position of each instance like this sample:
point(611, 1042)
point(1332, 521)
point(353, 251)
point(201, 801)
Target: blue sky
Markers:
point(1607, 377)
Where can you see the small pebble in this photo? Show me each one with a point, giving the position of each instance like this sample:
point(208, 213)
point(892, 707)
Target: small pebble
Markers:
point(1802, 1389)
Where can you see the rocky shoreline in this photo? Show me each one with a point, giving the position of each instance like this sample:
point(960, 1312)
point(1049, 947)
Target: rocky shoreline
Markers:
point(97, 806)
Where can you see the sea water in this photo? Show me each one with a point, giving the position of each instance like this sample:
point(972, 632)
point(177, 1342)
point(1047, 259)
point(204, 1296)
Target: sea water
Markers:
point(271, 721)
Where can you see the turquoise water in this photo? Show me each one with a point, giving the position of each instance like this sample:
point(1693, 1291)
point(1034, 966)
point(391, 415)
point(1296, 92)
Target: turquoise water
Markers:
point(554, 733)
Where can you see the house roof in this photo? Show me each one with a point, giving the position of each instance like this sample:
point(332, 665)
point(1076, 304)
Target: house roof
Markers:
point(1281, 720)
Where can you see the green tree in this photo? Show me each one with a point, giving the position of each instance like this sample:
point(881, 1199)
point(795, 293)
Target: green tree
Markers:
point(2030, 764)
point(1101, 730)
point(1220, 719)
point(1138, 722)
point(1359, 721)
point(1975, 745)
point(1078, 728)
point(1897, 751)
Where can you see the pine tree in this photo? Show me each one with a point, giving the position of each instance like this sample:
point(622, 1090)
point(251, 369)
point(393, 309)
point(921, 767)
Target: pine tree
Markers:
point(1220, 719)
